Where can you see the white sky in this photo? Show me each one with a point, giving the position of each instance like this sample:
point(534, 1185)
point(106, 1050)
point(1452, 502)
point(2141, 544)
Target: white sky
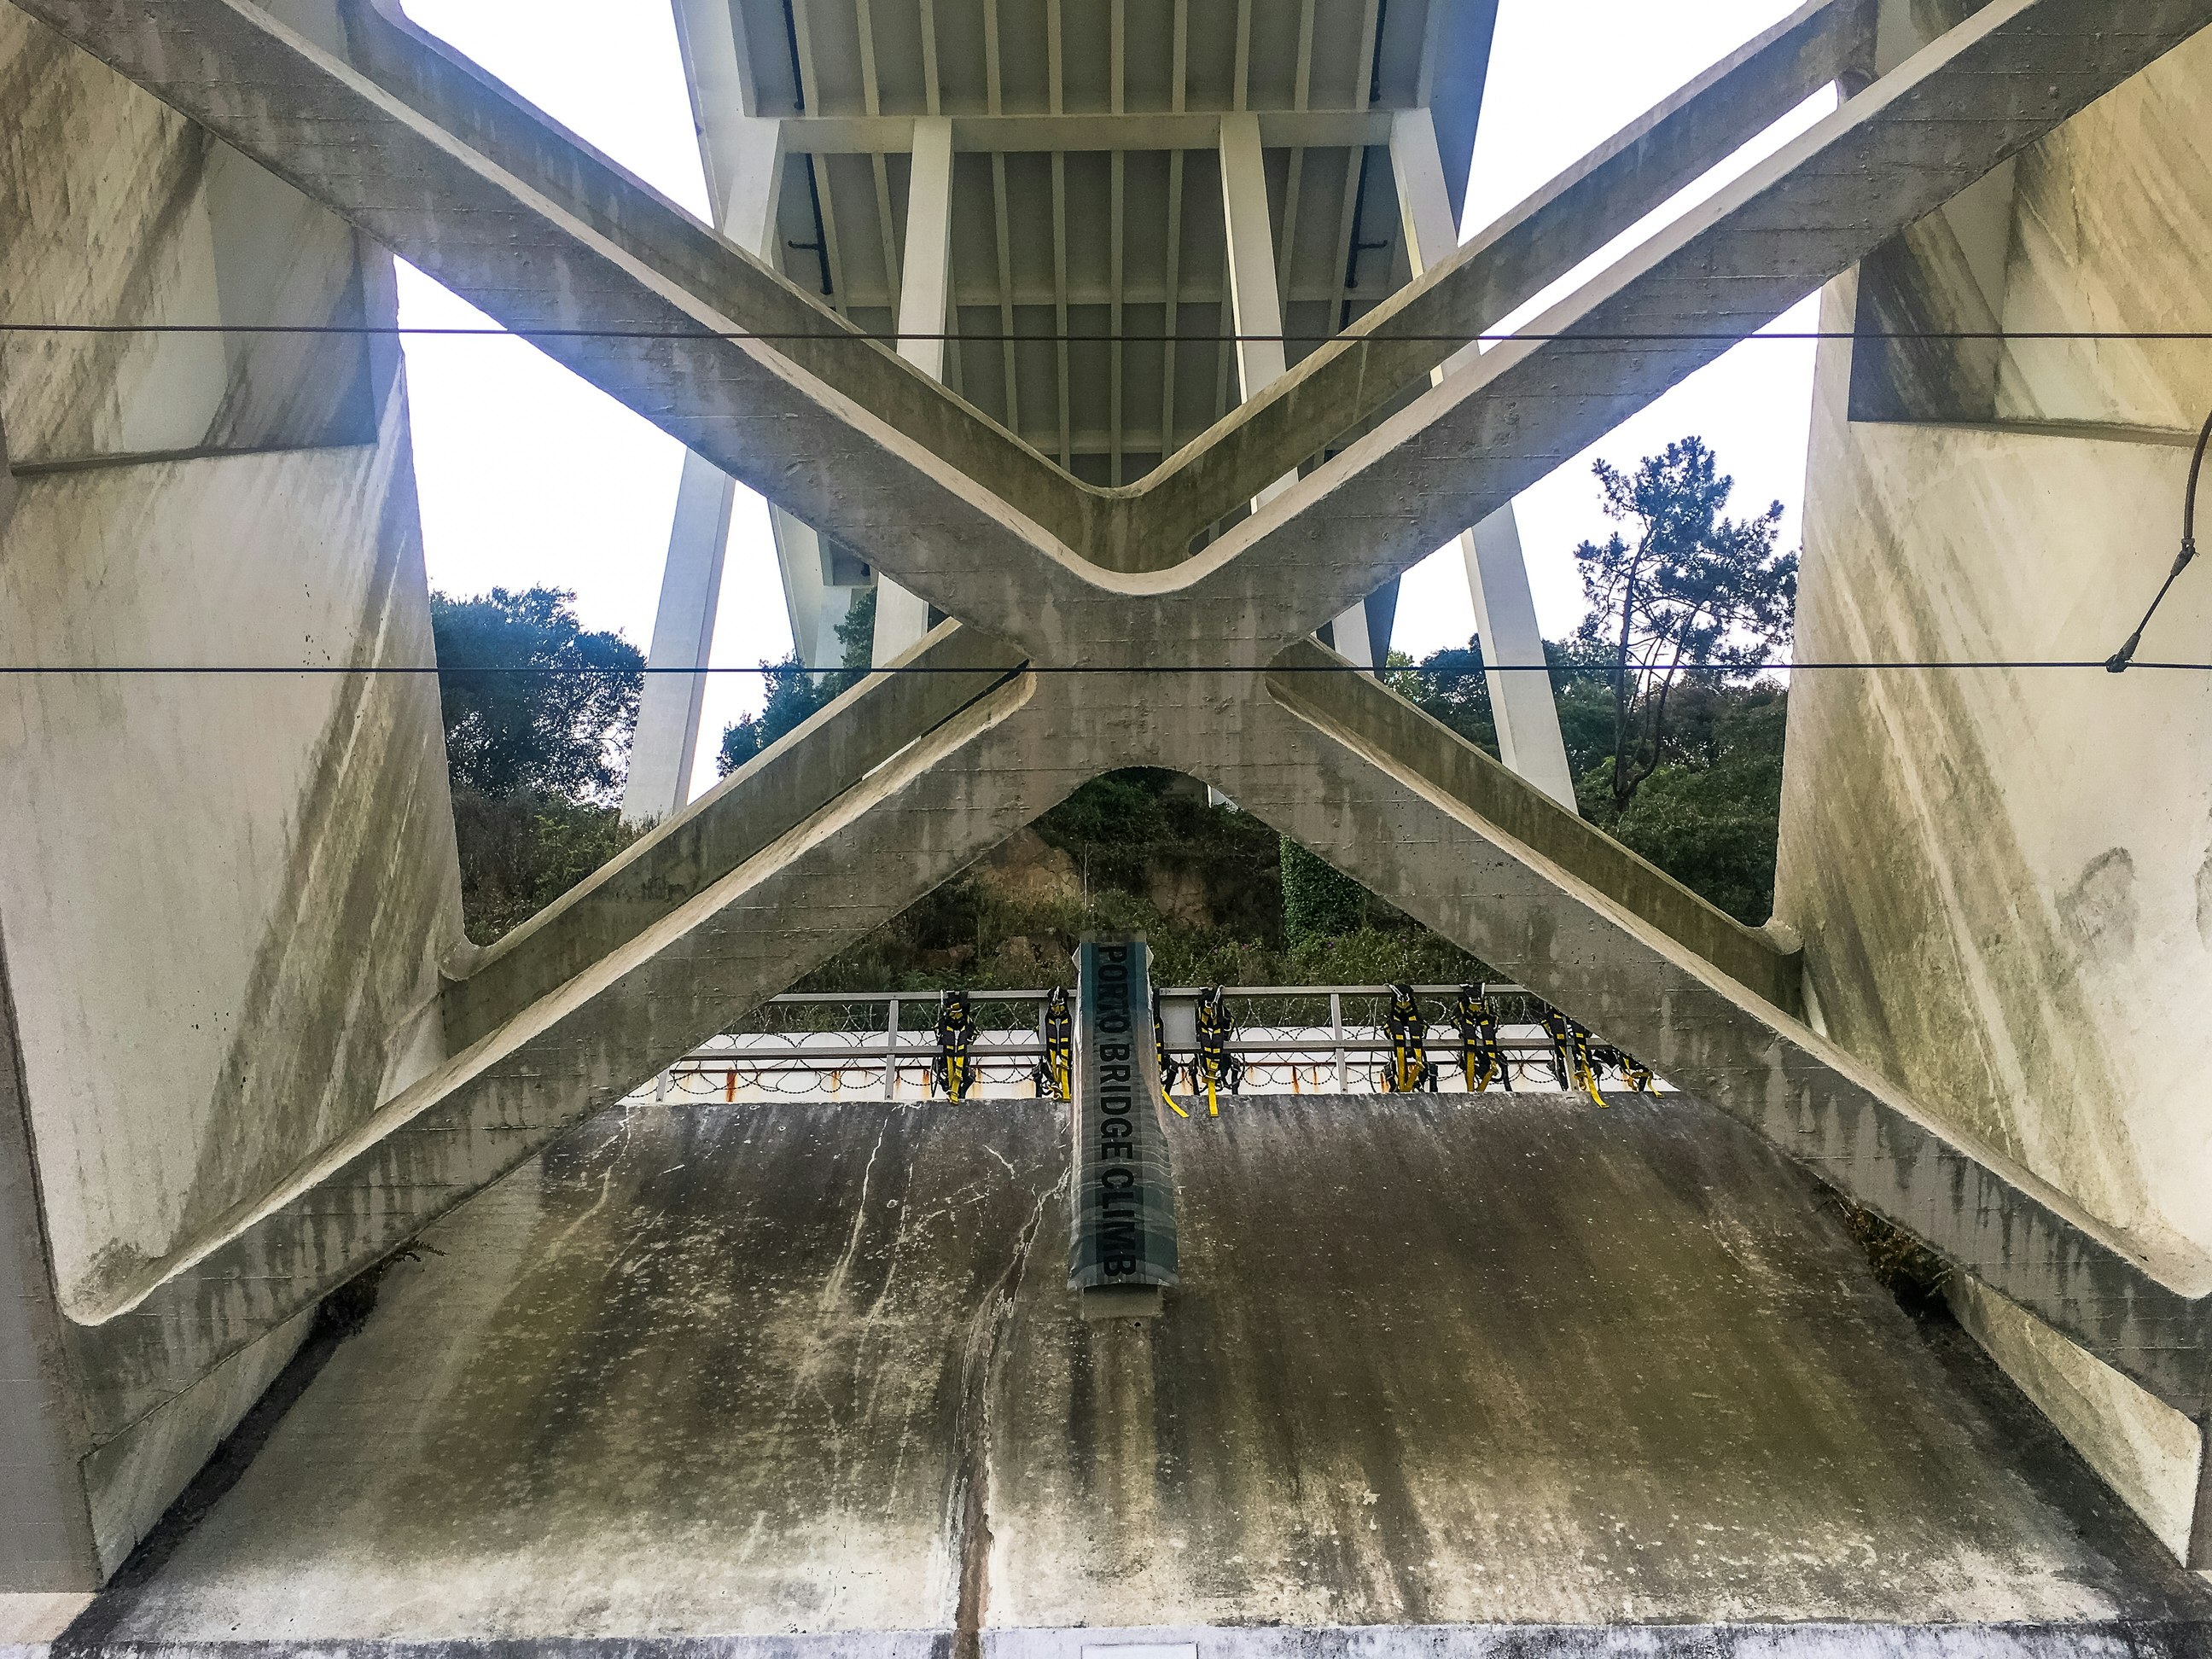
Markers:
point(528, 475)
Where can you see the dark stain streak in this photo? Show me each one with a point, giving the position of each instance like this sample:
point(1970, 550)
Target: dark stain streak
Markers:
point(346, 958)
point(980, 1370)
point(1424, 1352)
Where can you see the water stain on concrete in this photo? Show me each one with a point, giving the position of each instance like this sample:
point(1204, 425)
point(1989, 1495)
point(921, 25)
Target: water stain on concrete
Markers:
point(2100, 908)
point(800, 1368)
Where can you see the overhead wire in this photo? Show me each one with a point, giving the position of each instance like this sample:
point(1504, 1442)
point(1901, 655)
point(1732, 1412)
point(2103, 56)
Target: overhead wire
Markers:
point(2118, 662)
point(1445, 337)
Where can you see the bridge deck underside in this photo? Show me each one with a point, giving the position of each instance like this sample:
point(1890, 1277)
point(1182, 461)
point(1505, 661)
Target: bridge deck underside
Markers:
point(807, 1369)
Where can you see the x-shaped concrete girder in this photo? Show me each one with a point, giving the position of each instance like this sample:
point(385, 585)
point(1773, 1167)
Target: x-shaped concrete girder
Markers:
point(1092, 589)
point(544, 237)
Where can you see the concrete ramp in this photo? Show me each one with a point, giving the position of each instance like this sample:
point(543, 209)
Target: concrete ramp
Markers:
point(1507, 1374)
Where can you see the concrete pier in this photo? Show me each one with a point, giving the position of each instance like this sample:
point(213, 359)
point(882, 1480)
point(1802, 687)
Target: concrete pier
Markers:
point(1500, 1375)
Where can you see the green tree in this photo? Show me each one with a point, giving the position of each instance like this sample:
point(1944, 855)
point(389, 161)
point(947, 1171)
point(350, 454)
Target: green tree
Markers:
point(1711, 815)
point(1687, 595)
point(792, 691)
point(1319, 901)
point(521, 852)
point(533, 702)
point(539, 716)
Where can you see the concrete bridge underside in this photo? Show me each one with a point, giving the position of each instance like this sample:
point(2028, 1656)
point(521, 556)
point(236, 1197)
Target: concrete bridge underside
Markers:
point(159, 1275)
point(809, 1372)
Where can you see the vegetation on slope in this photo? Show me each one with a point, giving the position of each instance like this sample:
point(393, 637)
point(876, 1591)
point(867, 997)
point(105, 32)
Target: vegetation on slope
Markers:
point(1673, 741)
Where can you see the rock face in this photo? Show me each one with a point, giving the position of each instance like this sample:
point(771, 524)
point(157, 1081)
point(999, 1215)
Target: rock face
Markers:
point(812, 1368)
point(1179, 894)
point(1029, 868)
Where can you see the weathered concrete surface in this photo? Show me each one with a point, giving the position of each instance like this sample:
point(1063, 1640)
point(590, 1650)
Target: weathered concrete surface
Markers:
point(1887, 156)
point(931, 809)
point(235, 888)
point(224, 896)
point(806, 1368)
point(2145, 1450)
point(45, 1532)
point(2014, 915)
point(2143, 1300)
point(118, 210)
point(946, 799)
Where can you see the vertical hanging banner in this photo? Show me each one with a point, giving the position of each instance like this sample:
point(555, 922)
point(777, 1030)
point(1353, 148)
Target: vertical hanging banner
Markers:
point(1122, 1243)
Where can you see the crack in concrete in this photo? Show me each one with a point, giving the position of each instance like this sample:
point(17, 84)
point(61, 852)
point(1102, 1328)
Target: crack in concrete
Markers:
point(970, 1501)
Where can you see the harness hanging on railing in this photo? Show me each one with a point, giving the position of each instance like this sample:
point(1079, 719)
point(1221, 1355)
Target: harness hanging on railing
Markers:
point(1572, 1059)
point(1409, 1069)
point(953, 1070)
point(1605, 1057)
point(1481, 1057)
point(1055, 1072)
point(1216, 1066)
point(1169, 1066)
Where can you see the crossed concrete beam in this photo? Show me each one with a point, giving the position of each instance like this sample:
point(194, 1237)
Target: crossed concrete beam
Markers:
point(1078, 597)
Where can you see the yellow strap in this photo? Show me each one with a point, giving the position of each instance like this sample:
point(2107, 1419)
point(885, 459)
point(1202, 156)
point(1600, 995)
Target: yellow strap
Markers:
point(1212, 1105)
point(1172, 1107)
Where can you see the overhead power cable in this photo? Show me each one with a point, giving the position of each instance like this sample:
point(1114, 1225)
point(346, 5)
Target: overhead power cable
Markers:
point(386, 331)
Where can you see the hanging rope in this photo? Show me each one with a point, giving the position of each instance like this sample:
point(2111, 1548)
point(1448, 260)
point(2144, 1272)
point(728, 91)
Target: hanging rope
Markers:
point(2118, 661)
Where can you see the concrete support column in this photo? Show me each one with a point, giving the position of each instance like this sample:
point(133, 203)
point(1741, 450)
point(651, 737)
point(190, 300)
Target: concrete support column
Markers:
point(1254, 304)
point(1520, 699)
point(1257, 307)
point(925, 288)
point(744, 161)
point(46, 1529)
point(667, 741)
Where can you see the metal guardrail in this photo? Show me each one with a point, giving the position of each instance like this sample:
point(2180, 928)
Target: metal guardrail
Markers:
point(884, 1058)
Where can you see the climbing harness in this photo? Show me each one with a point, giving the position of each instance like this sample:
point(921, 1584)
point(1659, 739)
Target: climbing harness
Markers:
point(1408, 1067)
point(1604, 1057)
point(952, 1070)
point(1572, 1059)
point(1481, 1057)
point(1055, 1072)
point(1215, 1065)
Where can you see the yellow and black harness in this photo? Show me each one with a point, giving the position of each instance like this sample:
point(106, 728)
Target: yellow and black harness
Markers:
point(952, 1070)
point(1055, 1072)
point(1605, 1057)
point(1572, 1056)
point(1408, 1067)
point(1482, 1058)
point(1217, 1067)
